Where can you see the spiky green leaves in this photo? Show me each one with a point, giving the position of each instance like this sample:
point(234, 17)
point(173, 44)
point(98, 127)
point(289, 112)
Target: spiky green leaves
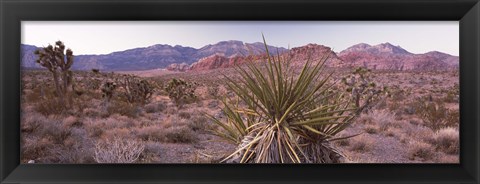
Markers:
point(281, 110)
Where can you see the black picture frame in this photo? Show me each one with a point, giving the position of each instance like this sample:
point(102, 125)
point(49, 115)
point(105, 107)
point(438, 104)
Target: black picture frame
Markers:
point(12, 12)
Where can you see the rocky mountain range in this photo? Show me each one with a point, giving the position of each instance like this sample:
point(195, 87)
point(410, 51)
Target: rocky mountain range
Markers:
point(390, 57)
point(152, 57)
point(229, 53)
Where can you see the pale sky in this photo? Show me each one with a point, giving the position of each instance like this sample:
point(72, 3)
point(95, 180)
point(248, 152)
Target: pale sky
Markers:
point(102, 37)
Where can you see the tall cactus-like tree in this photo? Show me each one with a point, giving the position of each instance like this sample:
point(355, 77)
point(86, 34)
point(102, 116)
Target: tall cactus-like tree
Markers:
point(58, 61)
point(363, 90)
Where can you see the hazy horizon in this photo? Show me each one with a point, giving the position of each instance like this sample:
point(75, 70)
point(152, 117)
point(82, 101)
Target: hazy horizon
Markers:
point(104, 37)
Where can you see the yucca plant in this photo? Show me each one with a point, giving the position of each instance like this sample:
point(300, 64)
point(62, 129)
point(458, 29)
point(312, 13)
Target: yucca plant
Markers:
point(285, 118)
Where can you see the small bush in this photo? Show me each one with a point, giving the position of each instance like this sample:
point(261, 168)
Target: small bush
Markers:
point(55, 132)
point(118, 151)
point(361, 144)
point(123, 108)
point(422, 150)
point(384, 119)
point(447, 140)
point(437, 116)
point(156, 107)
point(180, 134)
point(50, 107)
point(152, 133)
point(199, 123)
point(32, 123)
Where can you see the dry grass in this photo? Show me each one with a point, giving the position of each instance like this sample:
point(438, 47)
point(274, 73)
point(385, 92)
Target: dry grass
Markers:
point(421, 150)
point(155, 107)
point(447, 140)
point(123, 108)
point(361, 144)
point(151, 133)
point(180, 134)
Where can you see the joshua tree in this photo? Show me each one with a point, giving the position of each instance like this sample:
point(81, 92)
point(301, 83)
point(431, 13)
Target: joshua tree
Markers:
point(107, 90)
point(58, 62)
point(180, 91)
point(286, 118)
point(135, 90)
point(364, 92)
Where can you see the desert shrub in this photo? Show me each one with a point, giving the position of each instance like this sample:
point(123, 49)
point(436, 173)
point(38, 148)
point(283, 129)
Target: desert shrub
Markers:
point(55, 143)
point(361, 144)
point(151, 133)
point(50, 107)
point(35, 95)
point(199, 122)
point(453, 118)
point(156, 107)
point(397, 94)
point(447, 140)
point(93, 128)
point(453, 94)
point(33, 149)
point(32, 123)
point(181, 92)
point(436, 115)
point(55, 131)
point(123, 108)
point(422, 150)
point(118, 150)
point(384, 119)
point(180, 134)
point(74, 150)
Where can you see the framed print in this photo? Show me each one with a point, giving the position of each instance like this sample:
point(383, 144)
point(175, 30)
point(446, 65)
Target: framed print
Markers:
point(239, 91)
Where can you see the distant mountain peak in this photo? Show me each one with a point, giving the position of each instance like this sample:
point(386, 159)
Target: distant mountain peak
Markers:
point(233, 42)
point(386, 48)
point(390, 48)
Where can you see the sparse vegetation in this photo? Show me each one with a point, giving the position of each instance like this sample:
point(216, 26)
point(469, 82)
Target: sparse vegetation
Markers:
point(268, 112)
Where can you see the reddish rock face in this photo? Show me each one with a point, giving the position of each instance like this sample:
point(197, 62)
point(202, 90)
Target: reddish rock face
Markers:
point(297, 55)
point(219, 61)
point(314, 52)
